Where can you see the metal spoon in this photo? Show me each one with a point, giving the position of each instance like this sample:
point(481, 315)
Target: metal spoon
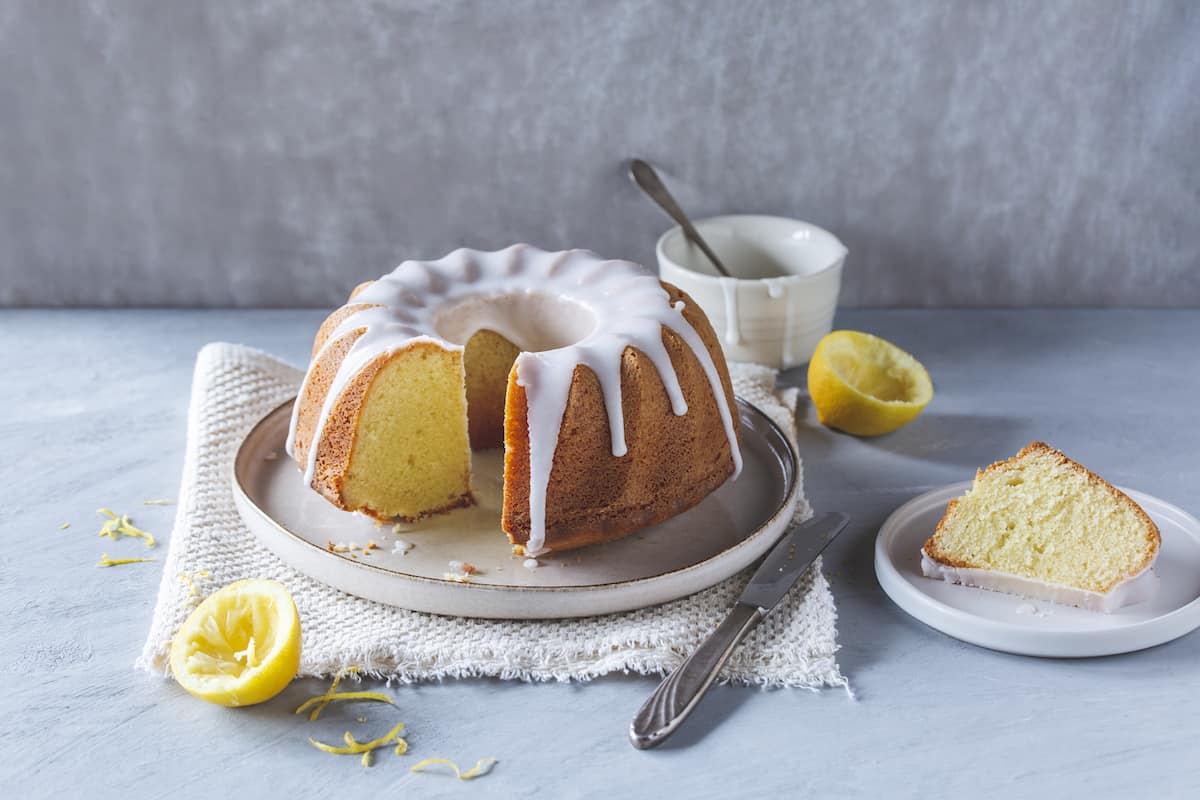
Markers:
point(648, 181)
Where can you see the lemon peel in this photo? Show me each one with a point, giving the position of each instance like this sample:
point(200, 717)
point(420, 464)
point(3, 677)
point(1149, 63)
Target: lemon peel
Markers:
point(105, 561)
point(354, 747)
point(240, 646)
point(64, 526)
point(864, 385)
point(162, 502)
point(120, 525)
point(482, 767)
point(319, 702)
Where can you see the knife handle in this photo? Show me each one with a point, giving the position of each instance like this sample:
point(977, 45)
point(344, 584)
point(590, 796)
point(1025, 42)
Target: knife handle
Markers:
point(681, 691)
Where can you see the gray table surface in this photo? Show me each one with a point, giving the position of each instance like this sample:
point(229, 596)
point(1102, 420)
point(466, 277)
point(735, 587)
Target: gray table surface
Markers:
point(95, 408)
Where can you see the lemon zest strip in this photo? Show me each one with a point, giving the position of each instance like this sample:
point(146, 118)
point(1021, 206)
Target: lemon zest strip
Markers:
point(482, 767)
point(190, 582)
point(64, 526)
point(328, 693)
point(319, 702)
point(157, 502)
point(121, 525)
point(354, 747)
point(325, 699)
point(105, 561)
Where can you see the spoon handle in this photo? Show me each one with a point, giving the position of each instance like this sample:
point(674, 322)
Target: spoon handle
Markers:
point(645, 177)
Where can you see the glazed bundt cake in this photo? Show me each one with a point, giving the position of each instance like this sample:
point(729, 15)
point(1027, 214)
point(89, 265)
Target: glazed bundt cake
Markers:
point(607, 389)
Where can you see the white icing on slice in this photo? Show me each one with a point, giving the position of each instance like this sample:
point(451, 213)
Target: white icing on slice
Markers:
point(1134, 589)
point(562, 309)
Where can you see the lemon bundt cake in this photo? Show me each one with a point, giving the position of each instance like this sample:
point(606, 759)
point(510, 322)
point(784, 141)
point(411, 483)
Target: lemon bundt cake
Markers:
point(1042, 526)
point(607, 388)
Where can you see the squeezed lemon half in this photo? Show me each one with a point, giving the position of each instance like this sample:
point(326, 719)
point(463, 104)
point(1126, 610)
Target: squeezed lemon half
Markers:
point(865, 385)
point(240, 646)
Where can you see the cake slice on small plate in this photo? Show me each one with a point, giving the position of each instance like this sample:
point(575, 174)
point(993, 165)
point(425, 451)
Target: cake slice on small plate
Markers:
point(1042, 526)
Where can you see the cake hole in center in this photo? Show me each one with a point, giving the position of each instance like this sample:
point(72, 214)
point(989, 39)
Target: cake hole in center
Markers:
point(533, 321)
point(494, 329)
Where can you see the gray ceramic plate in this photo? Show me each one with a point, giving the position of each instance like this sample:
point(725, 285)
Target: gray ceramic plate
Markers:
point(726, 532)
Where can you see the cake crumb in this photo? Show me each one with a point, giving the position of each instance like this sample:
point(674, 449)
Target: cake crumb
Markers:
point(457, 577)
point(530, 563)
point(401, 547)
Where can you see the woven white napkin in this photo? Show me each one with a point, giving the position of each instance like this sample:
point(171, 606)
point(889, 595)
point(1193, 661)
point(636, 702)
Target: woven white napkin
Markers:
point(234, 386)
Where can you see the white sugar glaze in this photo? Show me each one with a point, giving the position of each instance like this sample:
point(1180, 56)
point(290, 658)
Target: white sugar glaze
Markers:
point(777, 289)
point(1133, 589)
point(733, 325)
point(562, 309)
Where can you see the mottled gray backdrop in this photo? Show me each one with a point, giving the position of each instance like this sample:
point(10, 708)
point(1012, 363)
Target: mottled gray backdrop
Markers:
point(277, 152)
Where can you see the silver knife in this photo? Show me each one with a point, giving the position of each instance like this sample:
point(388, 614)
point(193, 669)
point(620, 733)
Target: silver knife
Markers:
point(681, 691)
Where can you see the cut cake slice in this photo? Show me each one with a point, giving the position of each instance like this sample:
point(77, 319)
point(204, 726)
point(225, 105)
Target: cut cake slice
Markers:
point(1042, 526)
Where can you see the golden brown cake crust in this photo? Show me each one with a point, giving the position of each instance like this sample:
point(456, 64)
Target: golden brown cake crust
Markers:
point(932, 547)
point(672, 463)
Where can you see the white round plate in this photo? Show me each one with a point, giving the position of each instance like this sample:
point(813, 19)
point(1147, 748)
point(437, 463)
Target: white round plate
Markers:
point(1032, 627)
point(720, 536)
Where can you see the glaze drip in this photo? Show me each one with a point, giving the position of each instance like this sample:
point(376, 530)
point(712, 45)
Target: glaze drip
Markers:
point(777, 290)
point(628, 305)
point(733, 328)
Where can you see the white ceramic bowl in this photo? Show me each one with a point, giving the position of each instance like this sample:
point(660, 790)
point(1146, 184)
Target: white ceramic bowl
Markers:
point(782, 302)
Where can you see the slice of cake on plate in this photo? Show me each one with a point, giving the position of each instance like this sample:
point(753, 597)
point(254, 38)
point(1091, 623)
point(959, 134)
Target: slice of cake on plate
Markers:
point(1041, 526)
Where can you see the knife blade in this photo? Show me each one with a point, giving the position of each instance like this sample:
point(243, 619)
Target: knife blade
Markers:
point(681, 691)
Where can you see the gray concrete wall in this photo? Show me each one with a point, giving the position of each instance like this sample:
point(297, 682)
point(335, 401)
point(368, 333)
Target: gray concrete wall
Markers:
point(275, 153)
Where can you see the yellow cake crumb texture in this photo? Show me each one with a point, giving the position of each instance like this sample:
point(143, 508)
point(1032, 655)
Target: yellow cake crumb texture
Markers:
point(1040, 515)
point(410, 444)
